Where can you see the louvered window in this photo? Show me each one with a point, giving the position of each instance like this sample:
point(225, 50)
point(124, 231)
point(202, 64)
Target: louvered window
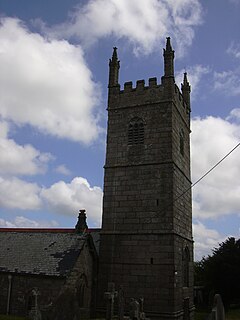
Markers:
point(136, 132)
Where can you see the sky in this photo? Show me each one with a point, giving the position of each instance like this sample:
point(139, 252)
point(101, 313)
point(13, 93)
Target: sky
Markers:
point(53, 96)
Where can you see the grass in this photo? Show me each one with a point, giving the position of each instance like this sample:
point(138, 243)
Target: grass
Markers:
point(232, 314)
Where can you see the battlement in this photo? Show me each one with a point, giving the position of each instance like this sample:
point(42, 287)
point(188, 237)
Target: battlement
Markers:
point(140, 85)
point(142, 94)
point(153, 93)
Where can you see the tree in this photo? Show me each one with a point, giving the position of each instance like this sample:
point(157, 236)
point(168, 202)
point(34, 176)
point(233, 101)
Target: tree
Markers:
point(220, 272)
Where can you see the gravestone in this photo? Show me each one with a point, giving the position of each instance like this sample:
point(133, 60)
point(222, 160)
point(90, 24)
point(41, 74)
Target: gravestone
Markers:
point(134, 309)
point(218, 312)
point(121, 303)
point(35, 313)
point(109, 297)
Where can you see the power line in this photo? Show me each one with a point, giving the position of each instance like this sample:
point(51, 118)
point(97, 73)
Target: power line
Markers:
point(205, 174)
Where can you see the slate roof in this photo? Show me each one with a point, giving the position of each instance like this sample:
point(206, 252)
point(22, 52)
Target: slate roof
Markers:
point(39, 251)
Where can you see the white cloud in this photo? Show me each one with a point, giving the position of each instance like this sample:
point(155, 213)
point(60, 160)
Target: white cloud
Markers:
point(62, 169)
point(52, 85)
point(20, 159)
point(194, 74)
point(144, 23)
point(234, 49)
point(218, 193)
point(67, 198)
point(23, 222)
point(61, 198)
point(19, 194)
point(228, 82)
point(205, 240)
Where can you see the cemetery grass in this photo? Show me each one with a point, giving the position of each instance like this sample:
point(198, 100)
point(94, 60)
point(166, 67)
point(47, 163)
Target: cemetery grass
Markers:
point(232, 314)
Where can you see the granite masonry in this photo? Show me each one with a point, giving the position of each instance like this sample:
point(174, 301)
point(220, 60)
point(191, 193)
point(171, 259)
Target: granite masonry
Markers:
point(146, 242)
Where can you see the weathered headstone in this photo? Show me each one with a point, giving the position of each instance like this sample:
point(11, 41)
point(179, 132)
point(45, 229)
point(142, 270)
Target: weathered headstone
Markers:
point(35, 313)
point(121, 303)
point(134, 309)
point(110, 296)
point(218, 312)
point(141, 308)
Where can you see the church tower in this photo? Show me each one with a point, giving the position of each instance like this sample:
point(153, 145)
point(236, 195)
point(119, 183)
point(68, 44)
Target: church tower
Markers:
point(146, 240)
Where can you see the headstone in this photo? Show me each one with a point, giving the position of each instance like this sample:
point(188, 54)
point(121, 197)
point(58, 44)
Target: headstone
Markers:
point(134, 309)
point(35, 313)
point(141, 308)
point(110, 296)
point(218, 312)
point(121, 303)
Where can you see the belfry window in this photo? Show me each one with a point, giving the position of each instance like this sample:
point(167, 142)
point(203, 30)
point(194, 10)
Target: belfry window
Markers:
point(136, 132)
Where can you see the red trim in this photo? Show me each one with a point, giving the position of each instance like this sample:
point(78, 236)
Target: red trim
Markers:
point(54, 230)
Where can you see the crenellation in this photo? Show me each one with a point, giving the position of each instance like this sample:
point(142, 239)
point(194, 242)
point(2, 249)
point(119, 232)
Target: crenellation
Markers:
point(128, 86)
point(152, 82)
point(140, 85)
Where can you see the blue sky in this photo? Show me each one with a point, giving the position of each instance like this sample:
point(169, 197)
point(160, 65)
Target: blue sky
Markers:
point(53, 96)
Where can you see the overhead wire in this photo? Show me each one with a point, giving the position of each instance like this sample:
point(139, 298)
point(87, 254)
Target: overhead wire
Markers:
point(207, 173)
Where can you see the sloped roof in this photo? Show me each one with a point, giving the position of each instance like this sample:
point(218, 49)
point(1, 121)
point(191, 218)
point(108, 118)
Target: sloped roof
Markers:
point(39, 252)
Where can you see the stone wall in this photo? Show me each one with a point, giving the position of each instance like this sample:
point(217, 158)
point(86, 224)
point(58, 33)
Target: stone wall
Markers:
point(21, 288)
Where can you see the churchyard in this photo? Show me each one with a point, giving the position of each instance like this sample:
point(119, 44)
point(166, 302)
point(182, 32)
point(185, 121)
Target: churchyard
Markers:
point(233, 314)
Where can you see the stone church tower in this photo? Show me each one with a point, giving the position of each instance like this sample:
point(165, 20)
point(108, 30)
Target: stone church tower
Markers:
point(146, 240)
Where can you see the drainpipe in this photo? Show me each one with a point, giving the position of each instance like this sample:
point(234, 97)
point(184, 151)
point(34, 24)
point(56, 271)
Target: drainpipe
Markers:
point(9, 292)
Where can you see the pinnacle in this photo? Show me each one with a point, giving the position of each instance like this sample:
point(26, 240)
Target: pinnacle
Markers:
point(114, 55)
point(168, 45)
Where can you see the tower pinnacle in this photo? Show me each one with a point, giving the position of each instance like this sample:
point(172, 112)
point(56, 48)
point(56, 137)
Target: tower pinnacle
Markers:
point(186, 89)
point(114, 65)
point(168, 55)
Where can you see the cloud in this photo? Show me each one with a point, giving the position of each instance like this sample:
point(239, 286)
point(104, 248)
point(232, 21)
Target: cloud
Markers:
point(62, 169)
point(228, 82)
point(61, 197)
point(144, 23)
point(235, 1)
point(205, 240)
point(234, 49)
point(194, 74)
point(52, 84)
point(218, 193)
point(20, 159)
point(23, 222)
point(19, 194)
point(67, 198)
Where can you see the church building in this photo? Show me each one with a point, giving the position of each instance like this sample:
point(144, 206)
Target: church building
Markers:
point(146, 245)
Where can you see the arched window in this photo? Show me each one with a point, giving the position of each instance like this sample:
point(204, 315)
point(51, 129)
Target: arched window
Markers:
point(136, 131)
point(186, 260)
point(181, 142)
